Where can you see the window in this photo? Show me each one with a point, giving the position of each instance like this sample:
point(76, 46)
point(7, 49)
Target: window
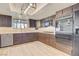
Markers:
point(14, 23)
point(46, 22)
point(19, 24)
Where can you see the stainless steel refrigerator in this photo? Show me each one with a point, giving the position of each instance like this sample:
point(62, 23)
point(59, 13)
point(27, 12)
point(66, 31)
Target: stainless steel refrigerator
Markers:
point(64, 33)
point(75, 50)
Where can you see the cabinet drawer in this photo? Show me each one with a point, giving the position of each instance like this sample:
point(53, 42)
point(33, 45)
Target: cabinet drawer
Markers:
point(64, 48)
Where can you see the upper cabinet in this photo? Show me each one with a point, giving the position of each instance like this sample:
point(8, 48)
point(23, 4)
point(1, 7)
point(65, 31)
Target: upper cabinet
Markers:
point(5, 21)
point(46, 22)
point(59, 14)
point(68, 11)
point(32, 23)
point(64, 12)
point(76, 7)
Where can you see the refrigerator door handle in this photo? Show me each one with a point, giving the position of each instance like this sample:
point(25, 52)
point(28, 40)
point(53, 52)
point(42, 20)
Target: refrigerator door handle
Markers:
point(77, 31)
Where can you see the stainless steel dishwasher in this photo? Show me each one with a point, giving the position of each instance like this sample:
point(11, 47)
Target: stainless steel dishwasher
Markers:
point(6, 40)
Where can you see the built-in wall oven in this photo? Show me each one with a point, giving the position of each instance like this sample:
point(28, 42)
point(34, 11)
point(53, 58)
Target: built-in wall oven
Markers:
point(64, 33)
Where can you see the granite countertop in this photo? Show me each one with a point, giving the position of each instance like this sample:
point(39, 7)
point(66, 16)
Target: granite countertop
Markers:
point(17, 32)
point(27, 31)
point(47, 32)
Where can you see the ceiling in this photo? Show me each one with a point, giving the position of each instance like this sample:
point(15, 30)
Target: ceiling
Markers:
point(43, 9)
point(50, 9)
point(16, 7)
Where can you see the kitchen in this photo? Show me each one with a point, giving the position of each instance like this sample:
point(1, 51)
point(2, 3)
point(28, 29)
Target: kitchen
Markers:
point(57, 27)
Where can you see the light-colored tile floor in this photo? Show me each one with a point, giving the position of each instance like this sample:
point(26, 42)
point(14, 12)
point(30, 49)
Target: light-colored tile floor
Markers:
point(31, 49)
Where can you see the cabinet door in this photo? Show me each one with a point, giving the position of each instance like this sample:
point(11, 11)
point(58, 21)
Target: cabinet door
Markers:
point(1, 21)
point(34, 36)
point(32, 23)
point(0, 40)
point(5, 21)
point(6, 40)
point(24, 38)
point(67, 11)
point(21, 38)
point(31, 37)
point(76, 7)
point(39, 37)
point(59, 14)
point(47, 39)
point(52, 40)
point(8, 21)
point(17, 38)
point(27, 37)
point(44, 38)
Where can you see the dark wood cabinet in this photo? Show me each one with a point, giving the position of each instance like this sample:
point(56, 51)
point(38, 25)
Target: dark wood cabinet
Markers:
point(76, 7)
point(59, 14)
point(17, 38)
point(42, 38)
point(8, 21)
point(68, 11)
point(32, 23)
point(29, 37)
point(48, 39)
point(1, 21)
point(64, 12)
point(52, 40)
point(5, 21)
point(0, 40)
point(20, 38)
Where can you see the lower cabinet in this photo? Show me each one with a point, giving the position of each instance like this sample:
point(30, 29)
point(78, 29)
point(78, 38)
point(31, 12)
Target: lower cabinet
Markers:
point(6, 40)
point(52, 40)
point(48, 39)
point(43, 38)
point(20, 38)
point(17, 38)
